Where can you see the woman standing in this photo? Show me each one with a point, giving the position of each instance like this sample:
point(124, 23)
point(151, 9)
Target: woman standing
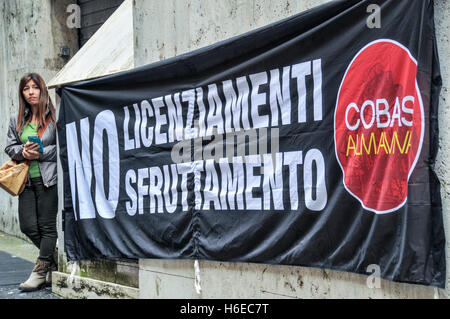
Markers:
point(38, 203)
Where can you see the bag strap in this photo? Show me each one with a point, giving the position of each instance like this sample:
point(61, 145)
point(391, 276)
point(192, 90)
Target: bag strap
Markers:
point(43, 128)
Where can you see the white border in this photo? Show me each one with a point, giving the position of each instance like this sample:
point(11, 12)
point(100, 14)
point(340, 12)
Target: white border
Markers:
point(421, 133)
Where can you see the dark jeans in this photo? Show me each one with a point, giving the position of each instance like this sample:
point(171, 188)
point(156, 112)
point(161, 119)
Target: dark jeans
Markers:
point(38, 207)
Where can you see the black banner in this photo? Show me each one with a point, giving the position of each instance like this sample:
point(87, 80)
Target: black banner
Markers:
point(308, 142)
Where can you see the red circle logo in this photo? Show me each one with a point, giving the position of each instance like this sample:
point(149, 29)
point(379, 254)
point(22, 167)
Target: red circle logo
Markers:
point(379, 125)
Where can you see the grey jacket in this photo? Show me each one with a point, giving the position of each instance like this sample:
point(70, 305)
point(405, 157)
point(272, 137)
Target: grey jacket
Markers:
point(47, 159)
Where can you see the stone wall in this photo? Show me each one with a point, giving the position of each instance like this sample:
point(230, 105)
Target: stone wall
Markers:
point(31, 34)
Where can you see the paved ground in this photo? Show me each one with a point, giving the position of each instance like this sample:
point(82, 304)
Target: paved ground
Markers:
point(14, 269)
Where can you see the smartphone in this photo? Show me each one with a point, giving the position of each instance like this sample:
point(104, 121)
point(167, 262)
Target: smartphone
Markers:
point(37, 140)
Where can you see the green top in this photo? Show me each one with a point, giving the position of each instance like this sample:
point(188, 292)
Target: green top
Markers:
point(31, 130)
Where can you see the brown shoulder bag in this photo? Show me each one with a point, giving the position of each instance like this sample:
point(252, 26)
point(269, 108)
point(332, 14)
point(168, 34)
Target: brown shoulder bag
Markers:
point(13, 176)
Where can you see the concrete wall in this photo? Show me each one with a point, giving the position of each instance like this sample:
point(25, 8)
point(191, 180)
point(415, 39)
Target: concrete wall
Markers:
point(164, 29)
point(442, 21)
point(31, 33)
point(175, 279)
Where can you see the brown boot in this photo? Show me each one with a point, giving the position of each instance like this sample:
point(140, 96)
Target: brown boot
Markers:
point(53, 267)
point(55, 260)
point(36, 280)
point(48, 279)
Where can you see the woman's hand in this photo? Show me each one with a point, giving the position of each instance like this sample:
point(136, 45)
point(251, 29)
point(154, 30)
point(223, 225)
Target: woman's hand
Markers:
point(30, 151)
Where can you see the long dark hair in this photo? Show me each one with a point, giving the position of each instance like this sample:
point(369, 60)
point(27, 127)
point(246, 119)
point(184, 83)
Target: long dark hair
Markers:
point(44, 102)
